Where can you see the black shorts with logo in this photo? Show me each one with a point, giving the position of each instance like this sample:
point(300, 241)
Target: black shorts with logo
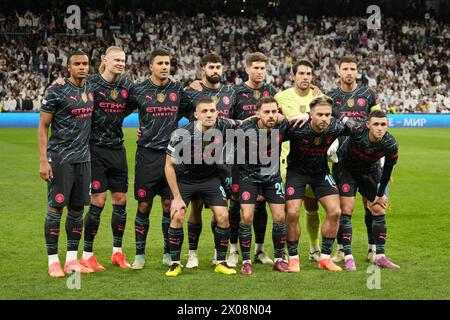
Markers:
point(109, 169)
point(71, 184)
point(150, 179)
point(249, 189)
point(211, 191)
point(350, 182)
point(322, 185)
point(226, 177)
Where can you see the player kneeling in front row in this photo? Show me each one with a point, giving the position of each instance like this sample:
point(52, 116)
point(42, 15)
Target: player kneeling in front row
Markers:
point(191, 171)
point(307, 164)
point(357, 170)
point(257, 174)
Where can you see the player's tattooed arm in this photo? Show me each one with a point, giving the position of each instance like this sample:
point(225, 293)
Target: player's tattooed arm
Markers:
point(177, 203)
point(45, 170)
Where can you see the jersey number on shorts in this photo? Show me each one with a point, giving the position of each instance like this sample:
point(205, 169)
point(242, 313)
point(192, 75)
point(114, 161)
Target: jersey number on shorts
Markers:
point(280, 188)
point(224, 194)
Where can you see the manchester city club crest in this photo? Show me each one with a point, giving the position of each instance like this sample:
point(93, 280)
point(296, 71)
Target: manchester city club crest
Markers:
point(350, 103)
point(114, 94)
point(160, 97)
point(256, 94)
point(317, 141)
point(302, 108)
point(369, 151)
point(84, 97)
point(214, 99)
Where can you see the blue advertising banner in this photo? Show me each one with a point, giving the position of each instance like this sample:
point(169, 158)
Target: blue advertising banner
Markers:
point(31, 120)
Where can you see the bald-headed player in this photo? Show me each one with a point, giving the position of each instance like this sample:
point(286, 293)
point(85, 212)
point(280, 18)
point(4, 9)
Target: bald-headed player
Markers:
point(293, 102)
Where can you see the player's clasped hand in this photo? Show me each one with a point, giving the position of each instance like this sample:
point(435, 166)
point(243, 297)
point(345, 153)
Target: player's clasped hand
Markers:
point(60, 81)
point(45, 171)
point(382, 201)
point(177, 206)
point(300, 120)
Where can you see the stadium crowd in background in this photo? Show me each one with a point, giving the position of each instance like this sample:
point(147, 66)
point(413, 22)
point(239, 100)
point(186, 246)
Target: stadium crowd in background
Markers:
point(406, 62)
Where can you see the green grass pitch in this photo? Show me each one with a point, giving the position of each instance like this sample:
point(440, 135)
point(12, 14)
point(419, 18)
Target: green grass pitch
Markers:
point(418, 238)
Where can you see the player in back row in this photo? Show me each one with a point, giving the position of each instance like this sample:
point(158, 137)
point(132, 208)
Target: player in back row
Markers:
point(65, 160)
point(355, 102)
point(109, 166)
point(242, 105)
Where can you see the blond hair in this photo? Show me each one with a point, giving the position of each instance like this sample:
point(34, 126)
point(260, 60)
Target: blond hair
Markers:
point(102, 66)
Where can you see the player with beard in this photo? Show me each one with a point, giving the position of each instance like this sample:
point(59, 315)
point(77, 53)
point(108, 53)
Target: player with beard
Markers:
point(222, 95)
point(246, 96)
point(307, 164)
point(293, 102)
point(244, 101)
point(356, 102)
point(258, 176)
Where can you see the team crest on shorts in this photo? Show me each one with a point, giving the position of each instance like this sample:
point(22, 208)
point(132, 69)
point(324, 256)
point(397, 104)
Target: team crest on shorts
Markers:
point(345, 188)
point(114, 94)
point(290, 191)
point(96, 184)
point(84, 97)
point(246, 196)
point(256, 94)
point(59, 198)
point(141, 193)
point(350, 103)
point(160, 97)
point(302, 108)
